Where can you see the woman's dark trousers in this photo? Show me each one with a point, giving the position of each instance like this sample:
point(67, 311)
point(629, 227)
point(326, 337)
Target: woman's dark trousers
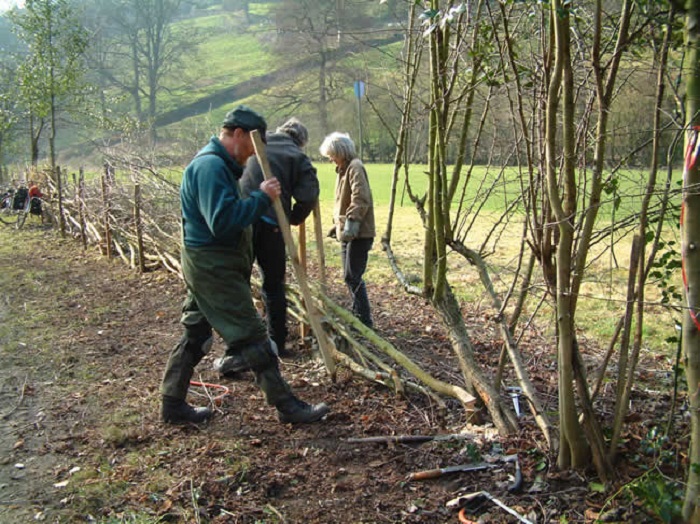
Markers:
point(354, 256)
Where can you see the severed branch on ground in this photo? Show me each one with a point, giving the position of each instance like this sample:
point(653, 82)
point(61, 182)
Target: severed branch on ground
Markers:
point(400, 358)
point(23, 389)
point(511, 347)
point(411, 439)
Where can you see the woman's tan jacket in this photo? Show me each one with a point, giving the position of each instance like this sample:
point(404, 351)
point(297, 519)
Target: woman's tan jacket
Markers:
point(353, 199)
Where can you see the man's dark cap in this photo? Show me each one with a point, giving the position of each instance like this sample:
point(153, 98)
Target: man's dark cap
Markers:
point(245, 118)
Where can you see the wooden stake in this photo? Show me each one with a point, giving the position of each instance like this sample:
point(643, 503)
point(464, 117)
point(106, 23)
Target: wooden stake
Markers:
point(318, 229)
point(325, 344)
point(59, 186)
point(105, 207)
point(139, 228)
point(80, 195)
point(303, 327)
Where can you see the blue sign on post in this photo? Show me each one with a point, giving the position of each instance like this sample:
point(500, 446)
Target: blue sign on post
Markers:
point(359, 88)
point(359, 93)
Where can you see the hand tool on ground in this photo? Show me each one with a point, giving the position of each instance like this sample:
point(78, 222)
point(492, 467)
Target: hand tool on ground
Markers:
point(514, 393)
point(464, 499)
point(517, 483)
point(439, 472)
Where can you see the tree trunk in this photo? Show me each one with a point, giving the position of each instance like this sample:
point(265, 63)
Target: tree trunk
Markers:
point(573, 450)
point(35, 134)
point(52, 139)
point(152, 104)
point(447, 306)
point(690, 236)
point(322, 94)
point(136, 90)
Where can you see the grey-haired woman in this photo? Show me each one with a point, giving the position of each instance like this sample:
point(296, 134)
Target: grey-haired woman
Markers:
point(353, 218)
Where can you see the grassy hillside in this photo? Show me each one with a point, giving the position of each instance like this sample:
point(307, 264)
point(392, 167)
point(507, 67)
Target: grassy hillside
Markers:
point(224, 59)
point(229, 53)
point(235, 63)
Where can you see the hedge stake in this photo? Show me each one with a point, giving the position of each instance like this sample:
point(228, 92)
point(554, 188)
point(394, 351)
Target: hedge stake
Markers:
point(325, 344)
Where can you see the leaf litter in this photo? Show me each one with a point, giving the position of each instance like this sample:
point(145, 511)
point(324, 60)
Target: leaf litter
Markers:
point(90, 342)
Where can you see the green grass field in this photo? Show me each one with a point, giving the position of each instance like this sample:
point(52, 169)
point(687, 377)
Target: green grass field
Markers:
point(506, 187)
point(604, 285)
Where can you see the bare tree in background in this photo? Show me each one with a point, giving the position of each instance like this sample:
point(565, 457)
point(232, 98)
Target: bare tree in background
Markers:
point(314, 31)
point(140, 49)
point(52, 69)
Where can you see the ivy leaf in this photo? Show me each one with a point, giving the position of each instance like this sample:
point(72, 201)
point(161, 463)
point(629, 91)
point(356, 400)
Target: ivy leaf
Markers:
point(429, 14)
point(596, 487)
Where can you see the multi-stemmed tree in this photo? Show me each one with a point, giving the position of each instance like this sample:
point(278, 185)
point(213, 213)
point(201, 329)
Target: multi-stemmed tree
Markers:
point(552, 97)
point(52, 67)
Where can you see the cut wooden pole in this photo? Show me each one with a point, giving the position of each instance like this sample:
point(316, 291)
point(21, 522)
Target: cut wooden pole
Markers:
point(139, 227)
point(59, 186)
point(78, 182)
point(325, 344)
point(105, 207)
point(303, 327)
point(81, 207)
point(318, 230)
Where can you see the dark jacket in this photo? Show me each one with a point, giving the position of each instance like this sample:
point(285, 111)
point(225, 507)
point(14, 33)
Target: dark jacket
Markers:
point(213, 212)
point(295, 172)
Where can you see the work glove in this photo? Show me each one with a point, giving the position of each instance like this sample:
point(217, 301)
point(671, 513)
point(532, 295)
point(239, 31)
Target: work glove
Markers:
point(332, 233)
point(350, 231)
point(300, 211)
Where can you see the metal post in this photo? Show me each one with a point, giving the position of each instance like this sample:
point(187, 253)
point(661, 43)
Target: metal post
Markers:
point(359, 93)
point(359, 118)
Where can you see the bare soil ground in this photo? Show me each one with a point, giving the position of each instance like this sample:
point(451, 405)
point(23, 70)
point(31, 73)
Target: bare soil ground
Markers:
point(84, 341)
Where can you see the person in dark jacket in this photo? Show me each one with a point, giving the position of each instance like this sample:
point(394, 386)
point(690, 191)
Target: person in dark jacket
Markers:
point(353, 218)
point(217, 260)
point(297, 176)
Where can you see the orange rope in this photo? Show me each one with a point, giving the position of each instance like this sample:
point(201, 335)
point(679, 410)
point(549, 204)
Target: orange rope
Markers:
point(463, 517)
point(691, 156)
point(217, 399)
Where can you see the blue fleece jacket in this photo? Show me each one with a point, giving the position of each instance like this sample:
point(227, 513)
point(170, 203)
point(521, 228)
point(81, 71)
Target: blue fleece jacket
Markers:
point(213, 212)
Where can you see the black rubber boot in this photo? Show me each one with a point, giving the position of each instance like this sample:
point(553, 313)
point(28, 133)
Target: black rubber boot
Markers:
point(295, 411)
point(230, 366)
point(177, 411)
point(191, 348)
point(180, 368)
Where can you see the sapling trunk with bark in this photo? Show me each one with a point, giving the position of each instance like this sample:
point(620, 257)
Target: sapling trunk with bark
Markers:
point(690, 235)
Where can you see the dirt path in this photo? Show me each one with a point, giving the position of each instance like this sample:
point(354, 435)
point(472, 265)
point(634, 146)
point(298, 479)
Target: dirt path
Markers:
point(83, 343)
point(27, 465)
point(25, 468)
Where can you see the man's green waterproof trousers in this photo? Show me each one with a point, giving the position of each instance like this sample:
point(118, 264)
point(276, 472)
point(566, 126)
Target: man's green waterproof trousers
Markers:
point(219, 297)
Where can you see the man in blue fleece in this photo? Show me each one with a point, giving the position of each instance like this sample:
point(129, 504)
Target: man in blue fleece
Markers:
point(217, 259)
